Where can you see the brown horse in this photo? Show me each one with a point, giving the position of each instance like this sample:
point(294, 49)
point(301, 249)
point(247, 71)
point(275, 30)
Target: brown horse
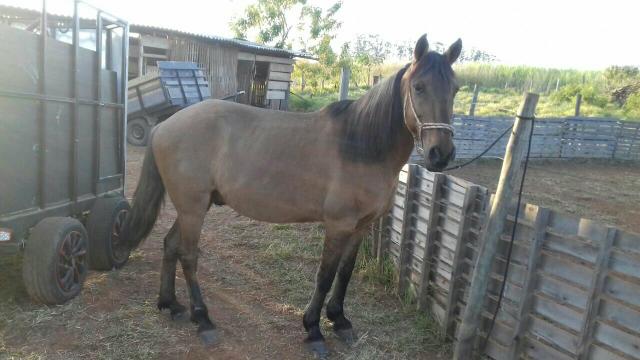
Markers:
point(338, 166)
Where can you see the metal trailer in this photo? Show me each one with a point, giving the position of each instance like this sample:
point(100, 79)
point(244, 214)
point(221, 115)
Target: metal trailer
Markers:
point(62, 150)
point(153, 98)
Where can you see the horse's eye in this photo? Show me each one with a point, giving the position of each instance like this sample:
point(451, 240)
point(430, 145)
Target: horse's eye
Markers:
point(419, 88)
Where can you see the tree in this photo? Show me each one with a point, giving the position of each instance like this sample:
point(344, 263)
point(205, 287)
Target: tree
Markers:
point(619, 76)
point(404, 50)
point(370, 50)
point(326, 58)
point(475, 55)
point(322, 23)
point(269, 18)
point(275, 19)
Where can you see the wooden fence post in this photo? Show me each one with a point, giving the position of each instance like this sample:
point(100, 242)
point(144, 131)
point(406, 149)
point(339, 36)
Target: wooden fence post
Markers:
point(373, 238)
point(383, 241)
point(509, 176)
point(406, 247)
point(474, 100)
point(344, 82)
point(465, 223)
point(432, 237)
point(595, 290)
point(526, 302)
point(578, 103)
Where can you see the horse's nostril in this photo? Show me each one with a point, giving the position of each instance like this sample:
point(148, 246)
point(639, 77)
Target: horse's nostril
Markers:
point(434, 155)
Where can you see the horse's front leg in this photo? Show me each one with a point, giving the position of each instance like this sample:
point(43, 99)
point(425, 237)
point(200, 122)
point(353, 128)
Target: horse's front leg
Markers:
point(334, 245)
point(335, 306)
point(190, 224)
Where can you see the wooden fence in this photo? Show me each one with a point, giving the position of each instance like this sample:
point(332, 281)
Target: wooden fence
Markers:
point(572, 137)
point(573, 290)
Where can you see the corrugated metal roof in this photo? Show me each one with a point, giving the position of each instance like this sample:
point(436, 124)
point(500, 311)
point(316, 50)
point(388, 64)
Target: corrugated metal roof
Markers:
point(247, 45)
point(8, 10)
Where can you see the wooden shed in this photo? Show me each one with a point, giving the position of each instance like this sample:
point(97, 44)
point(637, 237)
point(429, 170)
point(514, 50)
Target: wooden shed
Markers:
point(231, 65)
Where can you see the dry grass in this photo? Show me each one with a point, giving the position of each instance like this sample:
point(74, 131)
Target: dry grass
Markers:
point(389, 327)
point(83, 328)
point(115, 316)
point(257, 279)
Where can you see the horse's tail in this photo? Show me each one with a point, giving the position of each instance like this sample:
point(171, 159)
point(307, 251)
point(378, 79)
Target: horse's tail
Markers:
point(147, 200)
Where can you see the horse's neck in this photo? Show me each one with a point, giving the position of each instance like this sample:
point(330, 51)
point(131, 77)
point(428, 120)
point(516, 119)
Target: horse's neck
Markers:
point(400, 155)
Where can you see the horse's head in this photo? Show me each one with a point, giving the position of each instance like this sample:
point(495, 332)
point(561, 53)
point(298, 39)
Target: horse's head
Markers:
point(429, 87)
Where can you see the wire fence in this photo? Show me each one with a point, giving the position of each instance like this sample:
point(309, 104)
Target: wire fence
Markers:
point(553, 138)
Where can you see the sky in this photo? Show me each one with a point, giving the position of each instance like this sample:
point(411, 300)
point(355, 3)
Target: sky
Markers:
point(549, 33)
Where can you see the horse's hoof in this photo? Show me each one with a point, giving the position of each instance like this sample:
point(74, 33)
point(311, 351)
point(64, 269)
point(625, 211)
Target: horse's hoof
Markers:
point(176, 310)
point(348, 336)
point(179, 315)
point(318, 348)
point(209, 337)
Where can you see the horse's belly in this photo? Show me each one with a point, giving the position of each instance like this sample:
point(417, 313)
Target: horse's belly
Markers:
point(263, 206)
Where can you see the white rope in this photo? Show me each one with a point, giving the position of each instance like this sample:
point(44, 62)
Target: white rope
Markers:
point(426, 126)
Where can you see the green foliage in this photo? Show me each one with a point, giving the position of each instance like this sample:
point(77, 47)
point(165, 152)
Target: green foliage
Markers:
point(274, 19)
point(621, 75)
point(474, 55)
point(371, 50)
point(322, 24)
point(632, 106)
point(269, 17)
point(492, 102)
point(523, 78)
point(589, 94)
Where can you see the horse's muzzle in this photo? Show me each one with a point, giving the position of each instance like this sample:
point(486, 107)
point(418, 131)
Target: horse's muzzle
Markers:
point(436, 161)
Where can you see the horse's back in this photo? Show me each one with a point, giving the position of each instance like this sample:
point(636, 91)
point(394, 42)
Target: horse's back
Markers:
point(269, 165)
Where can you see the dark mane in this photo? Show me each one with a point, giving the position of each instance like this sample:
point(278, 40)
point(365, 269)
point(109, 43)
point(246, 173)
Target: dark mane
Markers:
point(372, 124)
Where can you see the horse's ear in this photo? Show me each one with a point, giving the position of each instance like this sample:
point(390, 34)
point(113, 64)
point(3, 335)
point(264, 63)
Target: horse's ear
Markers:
point(422, 47)
point(453, 52)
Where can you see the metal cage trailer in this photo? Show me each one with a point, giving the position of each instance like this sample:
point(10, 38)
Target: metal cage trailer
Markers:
point(62, 149)
point(154, 97)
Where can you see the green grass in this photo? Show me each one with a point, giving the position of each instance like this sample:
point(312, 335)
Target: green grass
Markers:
point(491, 102)
point(523, 78)
point(305, 102)
point(501, 91)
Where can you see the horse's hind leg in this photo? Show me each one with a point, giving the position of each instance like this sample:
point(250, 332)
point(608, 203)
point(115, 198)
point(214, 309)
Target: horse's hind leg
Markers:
point(190, 220)
point(335, 306)
point(167, 298)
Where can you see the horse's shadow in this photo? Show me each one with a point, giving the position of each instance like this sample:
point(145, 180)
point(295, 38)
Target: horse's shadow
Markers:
point(12, 289)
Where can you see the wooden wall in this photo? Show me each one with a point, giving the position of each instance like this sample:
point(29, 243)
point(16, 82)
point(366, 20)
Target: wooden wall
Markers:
point(279, 84)
point(279, 79)
point(218, 62)
point(573, 290)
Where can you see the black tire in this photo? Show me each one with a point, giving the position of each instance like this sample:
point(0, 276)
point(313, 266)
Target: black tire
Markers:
point(55, 263)
point(107, 250)
point(138, 131)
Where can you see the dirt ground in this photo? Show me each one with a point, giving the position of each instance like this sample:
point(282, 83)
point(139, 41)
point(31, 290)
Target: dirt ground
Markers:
point(256, 278)
point(605, 191)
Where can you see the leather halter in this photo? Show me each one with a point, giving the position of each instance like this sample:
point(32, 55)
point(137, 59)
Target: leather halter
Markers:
point(424, 126)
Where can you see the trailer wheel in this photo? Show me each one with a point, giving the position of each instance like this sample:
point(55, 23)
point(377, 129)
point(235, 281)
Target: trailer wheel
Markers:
point(107, 249)
point(138, 130)
point(54, 266)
